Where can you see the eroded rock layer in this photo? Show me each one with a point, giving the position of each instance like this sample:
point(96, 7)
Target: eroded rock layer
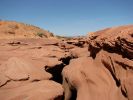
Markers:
point(96, 67)
point(107, 72)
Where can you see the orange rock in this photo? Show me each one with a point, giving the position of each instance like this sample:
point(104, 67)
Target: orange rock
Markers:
point(41, 90)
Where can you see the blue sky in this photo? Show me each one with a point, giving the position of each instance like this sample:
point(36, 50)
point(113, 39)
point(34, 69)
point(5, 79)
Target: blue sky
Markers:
point(69, 17)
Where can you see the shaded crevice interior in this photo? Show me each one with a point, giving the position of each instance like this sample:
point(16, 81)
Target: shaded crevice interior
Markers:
point(56, 72)
point(124, 93)
point(57, 76)
point(116, 49)
point(73, 94)
point(110, 70)
point(57, 69)
point(117, 81)
point(66, 60)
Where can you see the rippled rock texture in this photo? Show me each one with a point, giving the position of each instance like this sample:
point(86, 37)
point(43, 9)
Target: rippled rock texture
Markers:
point(107, 72)
point(96, 67)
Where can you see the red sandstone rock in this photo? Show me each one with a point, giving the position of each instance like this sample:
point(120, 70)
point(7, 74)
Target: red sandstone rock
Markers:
point(17, 69)
point(79, 52)
point(90, 81)
point(41, 90)
point(21, 80)
point(100, 68)
point(107, 73)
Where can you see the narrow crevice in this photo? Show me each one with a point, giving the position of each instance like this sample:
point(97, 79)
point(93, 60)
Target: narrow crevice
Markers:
point(10, 79)
point(93, 51)
point(56, 72)
point(66, 60)
point(73, 94)
point(125, 66)
point(36, 80)
point(111, 71)
point(5, 83)
point(59, 98)
point(124, 93)
point(57, 69)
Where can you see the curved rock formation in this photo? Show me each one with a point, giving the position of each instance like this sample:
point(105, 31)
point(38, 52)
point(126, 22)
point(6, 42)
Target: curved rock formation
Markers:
point(97, 67)
point(108, 73)
point(21, 80)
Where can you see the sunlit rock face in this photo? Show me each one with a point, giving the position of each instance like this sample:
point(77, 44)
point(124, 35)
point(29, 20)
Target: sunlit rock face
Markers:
point(107, 72)
point(12, 29)
point(96, 67)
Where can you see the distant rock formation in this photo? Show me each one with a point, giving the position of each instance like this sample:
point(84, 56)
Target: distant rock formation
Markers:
point(12, 29)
